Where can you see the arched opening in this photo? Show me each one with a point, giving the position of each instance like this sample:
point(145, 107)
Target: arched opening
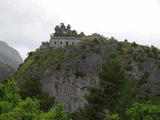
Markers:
point(72, 43)
point(66, 43)
point(61, 43)
point(55, 43)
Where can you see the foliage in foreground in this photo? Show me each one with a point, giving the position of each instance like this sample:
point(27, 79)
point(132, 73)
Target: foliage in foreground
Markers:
point(33, 88)
point(12, 107)
point(144, 111)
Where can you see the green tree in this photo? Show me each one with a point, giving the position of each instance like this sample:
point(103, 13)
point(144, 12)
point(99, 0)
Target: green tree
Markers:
point(9, 96)
point(112, 78)
point(144, 111)
point(12, 107)
point(74, 33)
point(68, 30)
point(32, 88)
point(134, 44)
point(81, 34)
point(57, 31)
point(24, 110)
point(56, 114)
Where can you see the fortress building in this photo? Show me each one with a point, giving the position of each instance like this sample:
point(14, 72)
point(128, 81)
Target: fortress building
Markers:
point(64, 41)
point(64, 36)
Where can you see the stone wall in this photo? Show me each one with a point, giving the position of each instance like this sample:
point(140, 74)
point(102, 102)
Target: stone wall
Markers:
point(64, 41)
point(44, 45)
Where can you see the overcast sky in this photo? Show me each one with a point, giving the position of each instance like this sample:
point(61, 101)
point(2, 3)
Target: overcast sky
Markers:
point(24, 24)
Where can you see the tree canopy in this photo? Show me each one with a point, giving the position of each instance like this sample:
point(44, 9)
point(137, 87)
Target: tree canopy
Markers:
point(65, 31)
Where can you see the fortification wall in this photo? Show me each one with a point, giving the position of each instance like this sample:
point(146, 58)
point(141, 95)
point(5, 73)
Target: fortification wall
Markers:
point(64, 41)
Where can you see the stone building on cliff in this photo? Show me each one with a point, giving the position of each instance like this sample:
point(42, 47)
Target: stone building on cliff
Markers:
point(64, 36)
point(64, 41)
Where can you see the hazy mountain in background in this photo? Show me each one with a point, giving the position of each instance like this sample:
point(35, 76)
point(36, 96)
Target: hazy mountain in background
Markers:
point(9, 55)
point(5, 71)
point(9, 60)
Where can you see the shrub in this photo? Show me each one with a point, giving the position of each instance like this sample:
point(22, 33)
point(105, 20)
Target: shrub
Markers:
point(144, 111)
point(129, 68)
point(135, 56)
point(125, 40)
point(32, 88)
point(79, 73)
point(144, 78)
point(114, 54)
point(96, 41)
point(134, 44)
point(58, 66)
point(147, 50)
point(120, 46)
point(30, 54)
point(83, 56)
point(141, 66)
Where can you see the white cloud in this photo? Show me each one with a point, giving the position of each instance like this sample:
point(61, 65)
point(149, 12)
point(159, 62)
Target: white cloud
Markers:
point(25, 23)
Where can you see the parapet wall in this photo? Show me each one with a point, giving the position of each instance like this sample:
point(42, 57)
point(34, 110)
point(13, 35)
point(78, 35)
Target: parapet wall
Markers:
point(64, 41)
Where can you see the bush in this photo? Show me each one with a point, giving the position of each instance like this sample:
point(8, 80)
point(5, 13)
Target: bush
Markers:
point(144, 111)
point(30, 54)
point(144, 79)
point(120, 46)
point(83, 56)
point(147, 50)
point(135, 56)
point(125, 40)
point(96, 41)
point(114, 54)
point(32, 88)
point(134, 44)
point(129, 68)
point(79, 73)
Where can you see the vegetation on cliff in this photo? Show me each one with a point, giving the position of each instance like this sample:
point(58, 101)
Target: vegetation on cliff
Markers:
point(33, 88)
point(127, 70)
point(115, 98)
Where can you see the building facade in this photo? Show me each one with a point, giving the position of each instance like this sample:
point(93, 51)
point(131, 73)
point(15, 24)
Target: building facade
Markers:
point(64, 41)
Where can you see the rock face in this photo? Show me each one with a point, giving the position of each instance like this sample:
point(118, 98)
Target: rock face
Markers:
point(76, 74)
point(9, 55)
point(67, 72)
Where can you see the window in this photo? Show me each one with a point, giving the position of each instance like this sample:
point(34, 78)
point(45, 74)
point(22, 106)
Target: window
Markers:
point(61, 43)
point(72, 43)
point(54, 42)
point(66, 43)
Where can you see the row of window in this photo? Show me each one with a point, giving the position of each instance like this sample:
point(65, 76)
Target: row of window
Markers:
point(66, 43)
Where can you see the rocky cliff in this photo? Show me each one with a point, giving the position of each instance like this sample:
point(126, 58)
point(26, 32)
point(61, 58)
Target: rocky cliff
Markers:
point(67, 72)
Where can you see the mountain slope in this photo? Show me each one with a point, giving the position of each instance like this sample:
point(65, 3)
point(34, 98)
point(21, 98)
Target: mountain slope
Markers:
point(67, 72)
point(5, 71)
point(9, 55)
point(9, 60)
